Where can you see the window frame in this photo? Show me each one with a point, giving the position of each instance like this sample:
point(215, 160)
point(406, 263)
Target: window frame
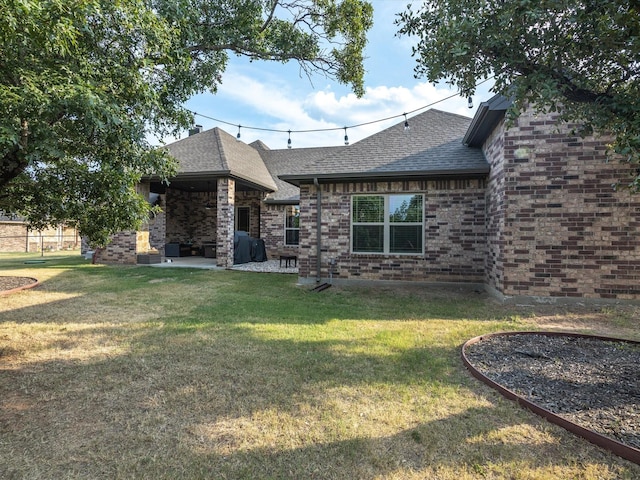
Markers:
point(237, 225)
point(387, 224)
point(291, 229)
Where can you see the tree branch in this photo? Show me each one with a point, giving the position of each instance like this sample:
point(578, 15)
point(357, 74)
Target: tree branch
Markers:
point(269, 18)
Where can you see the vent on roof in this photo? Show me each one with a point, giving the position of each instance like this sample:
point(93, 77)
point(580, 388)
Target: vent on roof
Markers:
point(195, 129)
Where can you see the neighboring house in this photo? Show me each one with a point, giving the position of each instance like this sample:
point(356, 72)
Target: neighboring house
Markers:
point(524, 210)
point(16, 236)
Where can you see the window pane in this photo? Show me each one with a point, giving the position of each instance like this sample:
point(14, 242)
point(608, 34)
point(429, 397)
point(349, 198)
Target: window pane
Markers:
point(406, 239)
point(242, 219)
point(293, 217)
point(368, 209)
point(405, 208)
point(292, 237)
point(368, 238)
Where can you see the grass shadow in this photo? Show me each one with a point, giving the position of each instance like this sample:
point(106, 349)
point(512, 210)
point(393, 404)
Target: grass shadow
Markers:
point(145, 373)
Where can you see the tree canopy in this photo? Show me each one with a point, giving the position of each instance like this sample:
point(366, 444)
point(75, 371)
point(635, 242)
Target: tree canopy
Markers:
point(580, 58)
point(85, 83)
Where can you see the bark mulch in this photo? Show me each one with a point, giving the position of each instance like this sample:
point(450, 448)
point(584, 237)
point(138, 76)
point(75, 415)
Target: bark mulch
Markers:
point(593, 383)
point(8, 283)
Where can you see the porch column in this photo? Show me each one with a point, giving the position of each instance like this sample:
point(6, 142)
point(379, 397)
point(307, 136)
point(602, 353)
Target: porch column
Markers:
point(226, 222)
point(142, 235)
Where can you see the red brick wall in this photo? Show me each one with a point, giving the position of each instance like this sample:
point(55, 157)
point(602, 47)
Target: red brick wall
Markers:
point(122, 249)
point(253, 200)
point(495, 213)
point(454, 233)
point(226, 220)
point(272, 231)
point(556, 226)
point(13, 237)
point(187, 217)
point(158, 227)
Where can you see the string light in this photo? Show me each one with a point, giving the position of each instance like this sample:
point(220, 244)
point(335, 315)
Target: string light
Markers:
point(346, 138)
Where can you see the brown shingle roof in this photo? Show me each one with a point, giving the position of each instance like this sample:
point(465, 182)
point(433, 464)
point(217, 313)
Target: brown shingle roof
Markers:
point(293, 161)
point(432, 146)
point(215, 152)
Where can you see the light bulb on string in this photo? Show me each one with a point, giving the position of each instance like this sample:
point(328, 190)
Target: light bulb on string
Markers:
point(378, 120)
point(346, 137)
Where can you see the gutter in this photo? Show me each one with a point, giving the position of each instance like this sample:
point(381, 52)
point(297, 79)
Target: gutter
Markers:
point(487, 116)
point(297, 180)
point(318, 229)
point(212, 176)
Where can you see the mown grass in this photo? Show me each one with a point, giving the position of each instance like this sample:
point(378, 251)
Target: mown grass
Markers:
point(140, 372)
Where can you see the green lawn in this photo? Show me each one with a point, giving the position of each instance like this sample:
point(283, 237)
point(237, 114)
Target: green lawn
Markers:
point(140, 372)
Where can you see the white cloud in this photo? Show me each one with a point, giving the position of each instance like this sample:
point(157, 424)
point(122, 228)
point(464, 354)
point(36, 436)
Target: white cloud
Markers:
point(278, 97)
point(270, 103)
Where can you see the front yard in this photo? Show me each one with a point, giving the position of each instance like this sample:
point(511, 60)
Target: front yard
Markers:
point(143, 372)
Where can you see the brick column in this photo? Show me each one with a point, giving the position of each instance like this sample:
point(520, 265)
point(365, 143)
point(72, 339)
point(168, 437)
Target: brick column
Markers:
point(226, 222)
point(142, 235)
point(122, 249)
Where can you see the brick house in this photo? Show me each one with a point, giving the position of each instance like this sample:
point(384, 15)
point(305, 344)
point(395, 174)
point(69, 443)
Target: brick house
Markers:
point(16, 235)
point(522, 209)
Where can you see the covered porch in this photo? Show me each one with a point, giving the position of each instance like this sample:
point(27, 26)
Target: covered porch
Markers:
point(202, 215)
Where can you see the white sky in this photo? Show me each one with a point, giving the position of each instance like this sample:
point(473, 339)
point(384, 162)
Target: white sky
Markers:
point(276, 96)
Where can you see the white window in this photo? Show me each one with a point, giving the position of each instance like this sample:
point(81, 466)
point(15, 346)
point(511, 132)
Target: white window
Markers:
point(292, 225)
point(387, 223)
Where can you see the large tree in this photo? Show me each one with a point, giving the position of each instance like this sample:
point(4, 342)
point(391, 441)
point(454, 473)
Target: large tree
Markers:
point(85, 83)
point(581, 58)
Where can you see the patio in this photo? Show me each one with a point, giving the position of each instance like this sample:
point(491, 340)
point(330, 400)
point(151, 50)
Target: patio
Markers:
point(269, 266)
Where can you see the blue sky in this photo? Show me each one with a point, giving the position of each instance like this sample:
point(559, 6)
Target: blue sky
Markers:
point(280, 96)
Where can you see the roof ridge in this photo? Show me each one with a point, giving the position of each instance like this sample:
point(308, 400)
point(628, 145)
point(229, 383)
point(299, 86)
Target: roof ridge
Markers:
point(221, 150)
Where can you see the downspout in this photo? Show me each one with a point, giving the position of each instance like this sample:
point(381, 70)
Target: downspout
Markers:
point(318, 229)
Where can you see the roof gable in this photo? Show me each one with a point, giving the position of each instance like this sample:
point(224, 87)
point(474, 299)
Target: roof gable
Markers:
point(215, 152)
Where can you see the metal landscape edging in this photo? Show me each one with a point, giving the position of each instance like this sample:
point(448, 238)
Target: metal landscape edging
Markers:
point(622, 450)
point(35, 283)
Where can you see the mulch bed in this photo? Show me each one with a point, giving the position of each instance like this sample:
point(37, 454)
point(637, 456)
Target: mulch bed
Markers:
point(10, 284)
point(590, 382)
